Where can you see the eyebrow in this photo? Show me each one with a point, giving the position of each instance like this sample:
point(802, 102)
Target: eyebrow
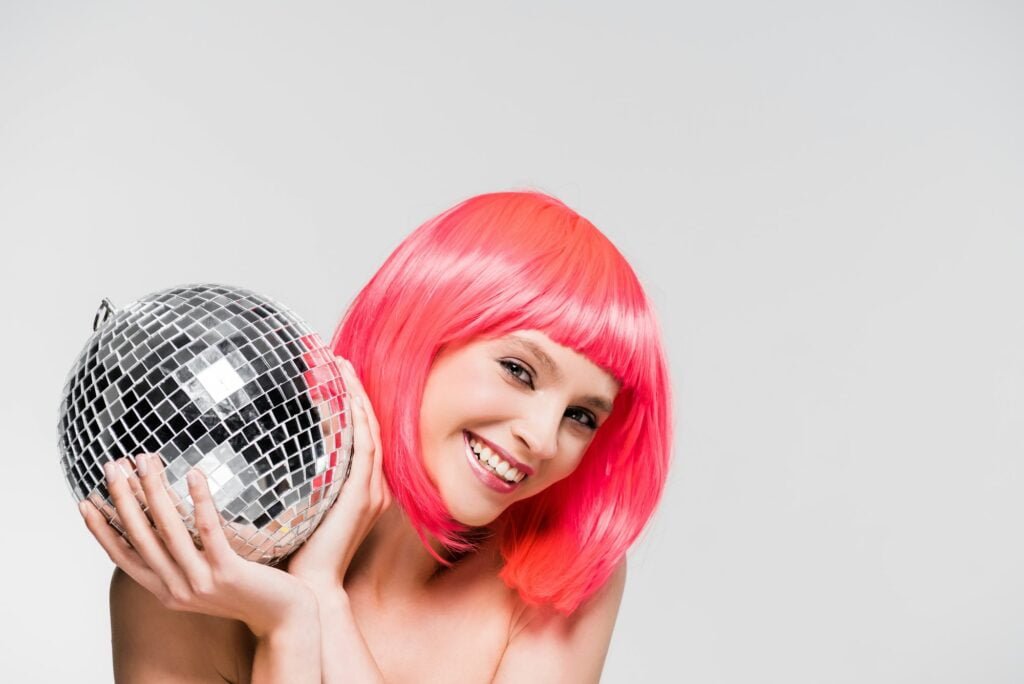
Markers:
point(591, 400)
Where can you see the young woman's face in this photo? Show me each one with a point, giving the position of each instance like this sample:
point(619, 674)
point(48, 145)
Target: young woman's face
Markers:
point(505, 418)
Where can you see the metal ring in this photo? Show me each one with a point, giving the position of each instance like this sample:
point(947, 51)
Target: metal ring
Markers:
point(103, 313)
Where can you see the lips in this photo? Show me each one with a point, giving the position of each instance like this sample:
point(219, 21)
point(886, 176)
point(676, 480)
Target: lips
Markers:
point(504, 455)
point(486, 477)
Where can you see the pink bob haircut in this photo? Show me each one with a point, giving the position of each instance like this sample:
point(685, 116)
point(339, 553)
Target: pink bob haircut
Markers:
point(494, 264)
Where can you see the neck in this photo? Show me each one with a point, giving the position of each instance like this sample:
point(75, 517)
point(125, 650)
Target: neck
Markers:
point(392, 561)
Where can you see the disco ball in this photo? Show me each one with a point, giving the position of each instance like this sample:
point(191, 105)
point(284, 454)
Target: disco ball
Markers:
point(223, 379)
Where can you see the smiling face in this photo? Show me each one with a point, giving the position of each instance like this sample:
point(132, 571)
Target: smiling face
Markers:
point(505, 418)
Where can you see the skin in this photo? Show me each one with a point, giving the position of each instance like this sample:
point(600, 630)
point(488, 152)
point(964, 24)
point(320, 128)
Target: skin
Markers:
point(362, 600)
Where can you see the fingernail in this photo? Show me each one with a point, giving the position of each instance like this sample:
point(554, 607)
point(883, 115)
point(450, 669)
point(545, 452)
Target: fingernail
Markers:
point(83, 508)
point(357, 400)
point(142, 464)
point(192, 477)
point(112, 471)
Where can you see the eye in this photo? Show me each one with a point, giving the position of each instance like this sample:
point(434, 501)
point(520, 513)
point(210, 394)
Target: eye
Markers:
point(517, 371)
point(587, 420)
point(521, 374)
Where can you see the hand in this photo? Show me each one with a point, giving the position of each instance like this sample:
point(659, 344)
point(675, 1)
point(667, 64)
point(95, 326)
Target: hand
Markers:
point(323, 560)
point(164, 559)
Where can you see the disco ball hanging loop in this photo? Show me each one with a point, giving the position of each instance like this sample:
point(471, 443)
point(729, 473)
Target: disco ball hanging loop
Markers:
point(103, 314)
point(222, 379)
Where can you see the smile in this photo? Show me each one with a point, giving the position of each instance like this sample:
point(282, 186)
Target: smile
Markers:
point(489, 468)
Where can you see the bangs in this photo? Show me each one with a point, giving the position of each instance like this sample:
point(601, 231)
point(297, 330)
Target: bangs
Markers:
point(549, 269)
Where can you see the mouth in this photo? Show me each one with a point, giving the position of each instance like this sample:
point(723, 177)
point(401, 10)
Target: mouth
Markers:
point(492, 470)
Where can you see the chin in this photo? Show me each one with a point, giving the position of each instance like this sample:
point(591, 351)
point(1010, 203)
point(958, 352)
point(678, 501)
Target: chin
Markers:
point(473, 518)
point(464, 503)
point(471, 511)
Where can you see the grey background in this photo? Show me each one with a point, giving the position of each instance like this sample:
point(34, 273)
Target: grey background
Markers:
point(823, 200)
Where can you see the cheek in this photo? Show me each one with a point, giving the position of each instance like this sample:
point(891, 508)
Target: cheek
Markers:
point(457, 396)
point(487, 398)
point(556, 471)
point(476, 400)
point(568, 466)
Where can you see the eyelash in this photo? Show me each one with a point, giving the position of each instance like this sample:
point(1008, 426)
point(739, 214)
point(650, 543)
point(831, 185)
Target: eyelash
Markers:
point(509, 367)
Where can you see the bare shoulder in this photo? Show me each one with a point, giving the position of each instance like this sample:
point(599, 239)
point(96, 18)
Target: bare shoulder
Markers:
point(545, 645)
point(153, 644)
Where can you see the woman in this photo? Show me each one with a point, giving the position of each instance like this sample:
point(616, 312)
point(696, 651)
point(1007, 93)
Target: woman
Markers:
point(516, 407)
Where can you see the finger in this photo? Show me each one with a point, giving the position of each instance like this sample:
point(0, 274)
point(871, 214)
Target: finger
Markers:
point(376, 482)
point(208, 520)
point(377, 463)
point(166, 518)
point(118, 550)
point(383, 491)
point(141, 535)
point(357, 389)
point(352, 382)
point(377, 474)
point(130, 471)
point(107, 509)
point(374, 426)
point(353, 392)
point(362, 453)
point(178, 503)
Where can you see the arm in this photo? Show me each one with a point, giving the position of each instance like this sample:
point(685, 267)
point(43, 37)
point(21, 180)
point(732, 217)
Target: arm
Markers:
point(214, 582)
point(152, 643)
point(345, 655)
point(322, 562)
point(548, 647)
point(290, 652)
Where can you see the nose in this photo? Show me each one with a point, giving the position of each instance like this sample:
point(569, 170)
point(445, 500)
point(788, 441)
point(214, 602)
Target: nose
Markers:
point(539, 431)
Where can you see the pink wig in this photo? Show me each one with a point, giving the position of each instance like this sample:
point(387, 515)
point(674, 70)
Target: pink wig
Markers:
point(491, 265)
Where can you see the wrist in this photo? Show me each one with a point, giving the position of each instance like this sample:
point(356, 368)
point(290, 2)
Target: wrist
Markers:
point(298, 614)
point(290, 650)
point(330, 594)
point(296, 636)
point(319, 580)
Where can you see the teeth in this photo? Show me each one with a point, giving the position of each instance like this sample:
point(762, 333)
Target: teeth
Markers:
point(493, 462)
